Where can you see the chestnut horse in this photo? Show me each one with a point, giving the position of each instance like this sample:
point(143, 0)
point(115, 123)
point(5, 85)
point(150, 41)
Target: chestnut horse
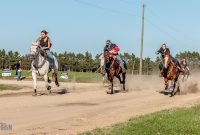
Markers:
point(113, 69)
point(171, 72)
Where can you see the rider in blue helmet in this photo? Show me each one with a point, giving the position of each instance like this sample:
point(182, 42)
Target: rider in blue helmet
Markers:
point(114, 49)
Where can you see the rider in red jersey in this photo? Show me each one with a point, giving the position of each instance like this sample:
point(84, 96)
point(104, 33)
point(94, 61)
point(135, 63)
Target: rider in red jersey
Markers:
point(113, 49)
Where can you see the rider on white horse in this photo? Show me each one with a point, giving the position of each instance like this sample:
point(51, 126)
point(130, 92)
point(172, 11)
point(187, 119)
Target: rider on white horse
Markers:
point(45, 43)
point(42, 60)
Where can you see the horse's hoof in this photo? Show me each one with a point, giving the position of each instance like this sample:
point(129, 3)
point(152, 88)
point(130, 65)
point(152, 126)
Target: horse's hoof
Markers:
point(108, 92)
point(124, 91)
point(112, 92)
point(57, 84)
point(34, 94)
point(172, 94)
point(49, 88)
point(49, 81)
point(178, 93)
point(49, 92)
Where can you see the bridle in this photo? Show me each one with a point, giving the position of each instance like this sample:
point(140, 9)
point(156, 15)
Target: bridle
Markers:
point(36, 55)
point(109, 59)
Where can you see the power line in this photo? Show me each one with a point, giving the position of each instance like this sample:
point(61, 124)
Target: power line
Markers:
point(155, 26)
point(166, 22)
point(131, 2)
point(162, 31)
point(103, 8)
point(128, 14)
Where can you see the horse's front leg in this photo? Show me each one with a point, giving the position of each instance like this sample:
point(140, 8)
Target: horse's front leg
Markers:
point(183, 77)
point(173, 91)
point(47, 83)
point(56, 80)
point(112, 90)
point(34, 76)
point(111, 84)
point(166, 83)
point(119, 78)
point(124, 80)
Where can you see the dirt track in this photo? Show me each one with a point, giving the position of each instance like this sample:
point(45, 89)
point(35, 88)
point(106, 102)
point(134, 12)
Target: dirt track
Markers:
point(86, 106)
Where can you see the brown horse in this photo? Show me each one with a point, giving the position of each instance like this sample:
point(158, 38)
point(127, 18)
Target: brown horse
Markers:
point(171, 72)
point(113, 69)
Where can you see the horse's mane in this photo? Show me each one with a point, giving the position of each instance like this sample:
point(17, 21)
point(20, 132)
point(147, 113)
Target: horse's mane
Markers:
point(167, 53)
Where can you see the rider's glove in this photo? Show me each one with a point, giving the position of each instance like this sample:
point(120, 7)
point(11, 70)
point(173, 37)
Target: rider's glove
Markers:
point(44, 48)
point(111, 51)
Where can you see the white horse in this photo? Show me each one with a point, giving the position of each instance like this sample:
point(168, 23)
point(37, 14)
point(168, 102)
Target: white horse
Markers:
point(186, 73)
point(40, 65)
point(102, 68)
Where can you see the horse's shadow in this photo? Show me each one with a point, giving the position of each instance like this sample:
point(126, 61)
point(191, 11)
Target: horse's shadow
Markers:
point(54, 92)
point(165, 92)
point(117, 91)
point(169, 92)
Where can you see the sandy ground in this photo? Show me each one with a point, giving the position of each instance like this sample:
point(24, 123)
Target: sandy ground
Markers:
point(86, 106)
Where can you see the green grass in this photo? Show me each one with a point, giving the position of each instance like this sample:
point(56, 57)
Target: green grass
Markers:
point(84, 77)
point(80, 77)
point(170, 122)
point(9, 87)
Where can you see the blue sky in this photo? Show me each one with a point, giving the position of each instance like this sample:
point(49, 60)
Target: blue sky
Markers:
point(85, 25)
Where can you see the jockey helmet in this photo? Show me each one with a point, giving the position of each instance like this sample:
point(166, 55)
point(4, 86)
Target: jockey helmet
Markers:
point(108, 42)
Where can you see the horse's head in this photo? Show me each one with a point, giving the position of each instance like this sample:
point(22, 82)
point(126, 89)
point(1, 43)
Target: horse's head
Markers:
point(106, 56)
point(34, 50)
point(167, 60)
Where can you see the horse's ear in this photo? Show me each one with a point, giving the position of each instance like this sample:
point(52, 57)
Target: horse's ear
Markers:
point(35, 43)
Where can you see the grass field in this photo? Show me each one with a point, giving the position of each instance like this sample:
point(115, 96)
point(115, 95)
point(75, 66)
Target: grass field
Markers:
point(80, 77)
point(170, 122)
point(10, 87)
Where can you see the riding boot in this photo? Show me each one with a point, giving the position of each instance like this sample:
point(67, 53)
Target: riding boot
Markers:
point(121, 63)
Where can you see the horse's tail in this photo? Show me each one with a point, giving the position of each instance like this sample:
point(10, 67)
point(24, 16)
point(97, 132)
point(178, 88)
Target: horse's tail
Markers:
point(56, 62)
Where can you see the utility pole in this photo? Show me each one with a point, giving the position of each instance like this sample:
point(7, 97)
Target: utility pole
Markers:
point(133, 65)
point(142, 40)
point(133, 68)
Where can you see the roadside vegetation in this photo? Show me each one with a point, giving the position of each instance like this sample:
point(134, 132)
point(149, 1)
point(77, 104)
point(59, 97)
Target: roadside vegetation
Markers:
point(85, 62)
point(185, 121)
point(79, 77)
point(10, 87)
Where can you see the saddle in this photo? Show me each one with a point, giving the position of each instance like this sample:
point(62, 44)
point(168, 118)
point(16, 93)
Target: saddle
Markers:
point(109, 63)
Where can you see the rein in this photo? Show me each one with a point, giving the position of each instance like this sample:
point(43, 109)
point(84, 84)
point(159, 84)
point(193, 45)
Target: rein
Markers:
point(109, 59)
point(43, 62)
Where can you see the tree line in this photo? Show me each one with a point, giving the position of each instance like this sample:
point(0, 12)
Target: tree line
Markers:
point(85, 62)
